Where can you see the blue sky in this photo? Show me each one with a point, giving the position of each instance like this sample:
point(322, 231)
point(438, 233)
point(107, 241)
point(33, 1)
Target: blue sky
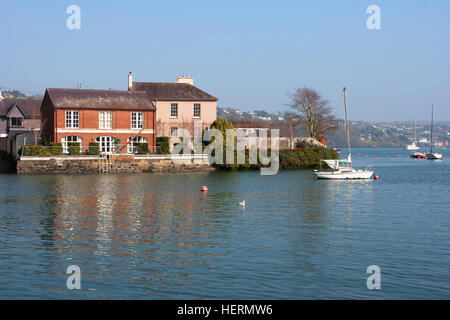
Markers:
point(250, 54)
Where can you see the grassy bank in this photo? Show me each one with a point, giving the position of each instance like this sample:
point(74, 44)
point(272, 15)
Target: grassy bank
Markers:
point(309, 157)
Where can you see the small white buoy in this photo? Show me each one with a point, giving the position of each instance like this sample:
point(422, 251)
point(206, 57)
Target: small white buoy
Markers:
point(242, 203)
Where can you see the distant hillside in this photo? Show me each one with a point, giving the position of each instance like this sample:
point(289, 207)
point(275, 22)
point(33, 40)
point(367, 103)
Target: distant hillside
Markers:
point(16, 94)
point(362, 133)
point(235, 115)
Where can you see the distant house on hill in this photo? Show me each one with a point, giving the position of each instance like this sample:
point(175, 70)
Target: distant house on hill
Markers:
point(19, 124)
point(178, 104)
point(115, 119)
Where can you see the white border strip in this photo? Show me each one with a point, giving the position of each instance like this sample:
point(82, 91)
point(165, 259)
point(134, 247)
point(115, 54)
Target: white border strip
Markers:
point(104, 131)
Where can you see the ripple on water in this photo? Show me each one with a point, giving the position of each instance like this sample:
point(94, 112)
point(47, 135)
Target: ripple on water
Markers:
point(157, 236)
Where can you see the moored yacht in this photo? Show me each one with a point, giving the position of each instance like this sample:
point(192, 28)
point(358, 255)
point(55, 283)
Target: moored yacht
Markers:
point(418, 155)
point(342, 169)
point(413, 146)
point(433, 155)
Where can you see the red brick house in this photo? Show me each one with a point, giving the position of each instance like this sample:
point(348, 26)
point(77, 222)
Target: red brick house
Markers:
point(115, 119)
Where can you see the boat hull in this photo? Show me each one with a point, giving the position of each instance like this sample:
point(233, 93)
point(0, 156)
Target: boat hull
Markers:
point(418, 156)
point(347, 175)
point(434, 156)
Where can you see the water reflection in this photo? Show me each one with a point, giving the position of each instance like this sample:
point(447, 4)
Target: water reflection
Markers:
point(158, 236)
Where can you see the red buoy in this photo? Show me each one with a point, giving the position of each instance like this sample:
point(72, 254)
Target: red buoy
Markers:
point(375, 177)
point(204, 189)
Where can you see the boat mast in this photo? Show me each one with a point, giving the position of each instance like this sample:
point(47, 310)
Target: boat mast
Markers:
point(415, 132)
point(432, 117)
point(347, 128)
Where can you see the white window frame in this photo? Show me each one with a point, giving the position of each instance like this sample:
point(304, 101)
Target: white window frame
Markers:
point(72, 119)
point(106, 144)
point(137, 120)
point(105, 120)
point(172, 129)
point(199, 110)
point(65, 143)
point(131, 148)
point(174, 105)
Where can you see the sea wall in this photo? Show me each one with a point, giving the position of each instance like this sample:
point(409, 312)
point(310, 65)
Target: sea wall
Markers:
point(115, 164)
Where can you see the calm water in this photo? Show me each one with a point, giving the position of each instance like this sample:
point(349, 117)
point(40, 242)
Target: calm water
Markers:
point(156, 236)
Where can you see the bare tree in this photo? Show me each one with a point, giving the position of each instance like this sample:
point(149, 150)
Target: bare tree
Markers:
point(161, 128)
point(316, 115)
point(291, 121)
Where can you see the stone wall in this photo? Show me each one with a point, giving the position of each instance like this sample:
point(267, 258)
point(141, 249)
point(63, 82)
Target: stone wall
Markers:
point(118, 164)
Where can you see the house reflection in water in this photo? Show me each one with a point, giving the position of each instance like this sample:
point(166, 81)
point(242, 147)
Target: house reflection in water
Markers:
point(104, 221)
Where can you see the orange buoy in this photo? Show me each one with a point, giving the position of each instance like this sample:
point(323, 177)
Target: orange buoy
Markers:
point(204, 189)
point(375, 177)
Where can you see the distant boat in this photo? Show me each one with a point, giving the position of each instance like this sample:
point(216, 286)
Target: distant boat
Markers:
point(433, 155)
point(413, 146)
point(418, 155)
point(343, 172)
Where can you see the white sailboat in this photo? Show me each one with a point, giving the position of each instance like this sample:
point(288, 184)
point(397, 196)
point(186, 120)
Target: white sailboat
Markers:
point(433, 155)
point(342, 169)
point(413, 146)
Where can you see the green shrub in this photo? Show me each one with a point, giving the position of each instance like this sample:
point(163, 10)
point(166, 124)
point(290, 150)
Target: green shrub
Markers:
point(305, 158)
point(54, 149)
point(94, 148)
point(301, 144)
point(30, 150)
point(74, 148)
point(163, 145)
point(289, 159)
point(142, 148)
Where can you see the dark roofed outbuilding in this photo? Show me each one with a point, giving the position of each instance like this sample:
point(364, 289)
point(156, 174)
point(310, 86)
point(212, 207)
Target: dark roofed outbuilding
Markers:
point(30, 107)
point(172, 91)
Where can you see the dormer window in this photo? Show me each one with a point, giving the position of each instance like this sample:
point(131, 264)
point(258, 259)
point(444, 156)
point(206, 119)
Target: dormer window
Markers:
point(16, 122)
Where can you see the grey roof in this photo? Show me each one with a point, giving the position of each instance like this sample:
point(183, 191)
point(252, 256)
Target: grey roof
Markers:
point(31, 107)
point(100, 99)
point(173, 91)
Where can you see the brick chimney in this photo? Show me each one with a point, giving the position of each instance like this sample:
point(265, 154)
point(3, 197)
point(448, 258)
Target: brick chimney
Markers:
point(188, 80)
point(130, 81)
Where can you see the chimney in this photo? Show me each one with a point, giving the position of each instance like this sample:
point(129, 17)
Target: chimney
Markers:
point(130, 81)
point(188, 80)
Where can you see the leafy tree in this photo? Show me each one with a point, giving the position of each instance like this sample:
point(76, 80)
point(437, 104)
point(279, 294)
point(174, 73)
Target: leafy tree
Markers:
point(222, 125)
